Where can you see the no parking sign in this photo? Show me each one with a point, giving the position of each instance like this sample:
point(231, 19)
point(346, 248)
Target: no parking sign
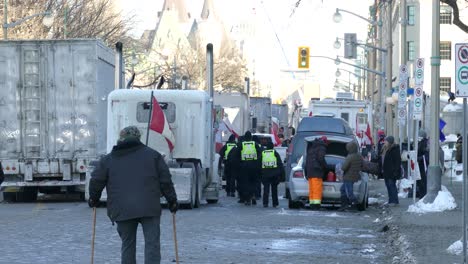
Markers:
point(461, 70)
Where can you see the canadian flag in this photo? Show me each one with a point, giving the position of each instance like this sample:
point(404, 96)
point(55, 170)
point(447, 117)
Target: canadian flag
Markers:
point(229, 128)
point(274, 131)
point(369, 134)
point(160, 125)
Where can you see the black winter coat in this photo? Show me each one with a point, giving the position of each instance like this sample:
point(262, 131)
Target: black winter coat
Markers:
point(315, 160)
point(135, 177)
point(278, 172)
point(2, 176)
point(391, 167)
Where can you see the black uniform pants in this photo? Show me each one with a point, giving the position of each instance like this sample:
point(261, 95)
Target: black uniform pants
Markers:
point(270, 182)
point(128, 230)
point(230, 180)
point(247, 183)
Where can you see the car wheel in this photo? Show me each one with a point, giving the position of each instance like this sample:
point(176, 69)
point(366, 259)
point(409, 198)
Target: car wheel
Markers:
point(293, 204)
point(364, 204)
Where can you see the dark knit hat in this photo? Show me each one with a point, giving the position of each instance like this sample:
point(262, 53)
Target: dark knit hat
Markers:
point(130, 132)
point(390, 139)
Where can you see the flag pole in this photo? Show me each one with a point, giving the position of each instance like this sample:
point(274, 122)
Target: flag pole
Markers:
point(149, 118)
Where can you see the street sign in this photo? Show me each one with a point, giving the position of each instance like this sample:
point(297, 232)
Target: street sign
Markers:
point(402, 116)
point(461, 70)
point(403, 72)
point(418, 102)
point(419, 72)
point(402, 94)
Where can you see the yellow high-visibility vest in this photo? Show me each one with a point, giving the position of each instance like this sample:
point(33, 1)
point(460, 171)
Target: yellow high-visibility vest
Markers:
point(229, 147)
point(248, 152)
point(269, 159)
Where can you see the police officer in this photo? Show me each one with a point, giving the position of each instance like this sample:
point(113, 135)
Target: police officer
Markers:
point(258, 184)
point(272, 173)
point(248, 156)
point(228, 168)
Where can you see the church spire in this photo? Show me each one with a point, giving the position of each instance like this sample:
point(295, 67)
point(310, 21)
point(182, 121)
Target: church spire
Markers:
point(179, 6)
point(208, 10)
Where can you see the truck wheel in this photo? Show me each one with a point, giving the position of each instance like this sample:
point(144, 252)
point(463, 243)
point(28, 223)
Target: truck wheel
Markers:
point(198, 172)
point(9, 197)
point(212, 201)
point(29, 194)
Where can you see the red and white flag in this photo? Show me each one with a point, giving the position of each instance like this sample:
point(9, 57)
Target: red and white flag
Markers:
point(274, 131)
point(369, 134)
point(228, 127)
point(160, 125)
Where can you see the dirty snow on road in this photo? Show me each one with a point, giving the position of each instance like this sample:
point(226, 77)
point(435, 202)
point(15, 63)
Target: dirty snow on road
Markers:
point(227, 232)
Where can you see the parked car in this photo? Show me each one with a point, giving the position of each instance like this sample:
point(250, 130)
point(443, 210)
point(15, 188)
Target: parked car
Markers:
point(336, 153)
point(311, 126)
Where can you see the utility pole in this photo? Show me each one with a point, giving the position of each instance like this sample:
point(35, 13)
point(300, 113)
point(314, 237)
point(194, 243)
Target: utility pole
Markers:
point(5, 19)
point(434, 172)
point(404, 59)
point(388, 72)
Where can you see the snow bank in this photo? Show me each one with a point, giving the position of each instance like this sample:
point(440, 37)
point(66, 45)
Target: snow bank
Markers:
point(451, 138)
point(456, 248)
point(443, 202)
point(453, 107)
point(404, 187)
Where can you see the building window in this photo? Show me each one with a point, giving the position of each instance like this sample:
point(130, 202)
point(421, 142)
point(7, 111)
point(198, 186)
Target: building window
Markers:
point(445, 84)
point(445, 15)
point(411, 51)
point(411, 15)
point(446, 50)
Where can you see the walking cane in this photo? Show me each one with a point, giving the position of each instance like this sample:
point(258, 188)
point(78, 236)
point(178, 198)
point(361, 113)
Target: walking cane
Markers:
point(175, 238)
point(94, 235)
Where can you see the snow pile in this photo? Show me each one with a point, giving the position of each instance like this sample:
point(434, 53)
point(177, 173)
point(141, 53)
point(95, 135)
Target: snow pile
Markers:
point(374, 201)
point(451, 138)
point(453, 107)
point(456, 248)
point(443, 202)
point(455, 173)
point(404, 187)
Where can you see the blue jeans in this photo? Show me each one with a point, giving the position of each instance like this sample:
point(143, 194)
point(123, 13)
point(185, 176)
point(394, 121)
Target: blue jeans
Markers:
point(347, 192)
point(392, 190)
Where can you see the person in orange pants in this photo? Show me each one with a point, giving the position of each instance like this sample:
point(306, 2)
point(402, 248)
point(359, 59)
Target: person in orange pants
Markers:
point(315, 170)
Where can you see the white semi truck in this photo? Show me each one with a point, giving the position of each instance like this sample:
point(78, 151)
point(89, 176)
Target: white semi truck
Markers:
point(191, 118)
point(53, 101)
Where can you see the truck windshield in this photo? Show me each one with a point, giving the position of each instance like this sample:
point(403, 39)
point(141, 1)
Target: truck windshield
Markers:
point(143, 109)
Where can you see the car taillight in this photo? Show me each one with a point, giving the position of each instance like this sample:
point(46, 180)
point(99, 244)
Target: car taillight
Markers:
point(298, 174)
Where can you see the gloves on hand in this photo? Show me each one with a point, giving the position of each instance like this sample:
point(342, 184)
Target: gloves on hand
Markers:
point(93, 203)
point(173, 207)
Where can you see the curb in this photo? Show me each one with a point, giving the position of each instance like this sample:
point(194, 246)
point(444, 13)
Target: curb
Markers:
point(399, 245)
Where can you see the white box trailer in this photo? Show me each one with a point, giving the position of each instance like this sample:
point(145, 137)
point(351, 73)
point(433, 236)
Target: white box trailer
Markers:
point(189, 113)
point(357, 113)
point(261, 114)
point(53, 101)
point(236, 107)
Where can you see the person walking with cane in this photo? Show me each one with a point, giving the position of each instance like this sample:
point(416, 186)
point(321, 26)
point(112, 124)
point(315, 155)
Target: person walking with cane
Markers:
point(135, 177)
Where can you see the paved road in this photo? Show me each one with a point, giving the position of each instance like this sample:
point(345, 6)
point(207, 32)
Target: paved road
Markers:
point(59, 231)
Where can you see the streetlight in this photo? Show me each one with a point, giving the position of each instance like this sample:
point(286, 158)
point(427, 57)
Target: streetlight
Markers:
point(337, 17)
point(47, 21)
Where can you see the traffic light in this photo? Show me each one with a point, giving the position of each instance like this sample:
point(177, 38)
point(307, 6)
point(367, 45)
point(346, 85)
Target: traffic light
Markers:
point(303, 58)
point(350, 45)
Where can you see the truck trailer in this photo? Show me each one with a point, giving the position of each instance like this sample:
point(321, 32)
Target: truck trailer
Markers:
point(53, 101)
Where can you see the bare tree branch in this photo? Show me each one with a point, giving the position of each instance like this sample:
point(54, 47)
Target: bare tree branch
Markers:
point(456, 14)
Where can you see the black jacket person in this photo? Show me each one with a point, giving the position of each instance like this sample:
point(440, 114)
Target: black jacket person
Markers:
point(247, 156)
point(272, 173)
point(228, 174)
point(135, 177)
